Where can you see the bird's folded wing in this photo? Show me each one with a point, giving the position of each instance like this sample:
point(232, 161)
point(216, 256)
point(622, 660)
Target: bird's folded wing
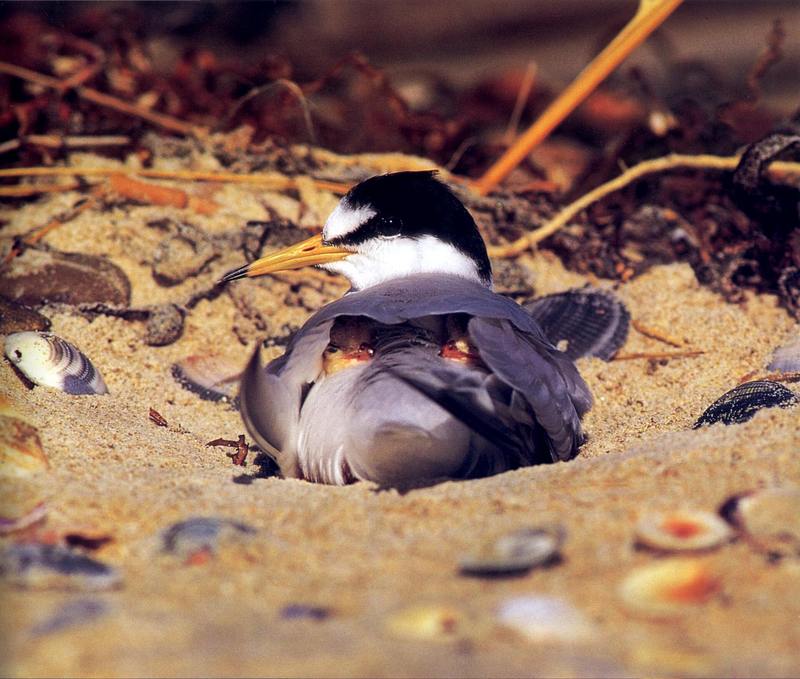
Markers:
point(271, 396)
point(557, 394)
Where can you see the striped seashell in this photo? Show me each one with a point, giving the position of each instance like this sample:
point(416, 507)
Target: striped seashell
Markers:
point(48, 360)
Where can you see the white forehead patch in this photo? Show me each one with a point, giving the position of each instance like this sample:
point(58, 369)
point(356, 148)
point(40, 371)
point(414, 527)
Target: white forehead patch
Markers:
point(345, 219)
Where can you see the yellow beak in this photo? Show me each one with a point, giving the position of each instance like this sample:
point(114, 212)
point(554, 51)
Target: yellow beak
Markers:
point(305, 253)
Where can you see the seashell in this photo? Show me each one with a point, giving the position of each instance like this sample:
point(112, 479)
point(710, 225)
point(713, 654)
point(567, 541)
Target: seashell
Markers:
point(545, 618)
point(305, 612)
point(429, 622)
point(21, 451)
point(741, 403)
point(48, 360)
point(39, 566)
point(71, 614)
point(202, 534)
point(210, 376)
point(786, 358)
point(39, 276)
point(591, 321)
point(668, 588)
point(769, 517)
point(18, 318)
point(164, 325)
point(682, 530)
point(515, 552)
point(21, 505)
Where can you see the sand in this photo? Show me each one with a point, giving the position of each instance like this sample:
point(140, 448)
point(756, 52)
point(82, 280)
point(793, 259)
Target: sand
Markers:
point(364, 554)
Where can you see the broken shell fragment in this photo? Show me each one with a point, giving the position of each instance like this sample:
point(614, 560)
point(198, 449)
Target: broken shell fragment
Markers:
point(741, 403)
point(21, 452)
point(211, 377)
point(202, 534)
point(515, 552)
point(668, 588)
point(16, 317)
point(429, 622)
point(41, 566)
point(682, 530)
point(591, 321)
point(770, 518)
point(48, 360)
point(545, 618)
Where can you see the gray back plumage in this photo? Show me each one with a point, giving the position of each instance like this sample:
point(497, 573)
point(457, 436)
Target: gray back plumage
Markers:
point(509, 341)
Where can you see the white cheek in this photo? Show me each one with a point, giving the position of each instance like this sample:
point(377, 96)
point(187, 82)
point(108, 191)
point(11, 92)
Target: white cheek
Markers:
point(344, 219)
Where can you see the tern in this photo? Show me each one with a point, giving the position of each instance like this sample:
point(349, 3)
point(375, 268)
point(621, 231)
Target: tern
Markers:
point(421, 371)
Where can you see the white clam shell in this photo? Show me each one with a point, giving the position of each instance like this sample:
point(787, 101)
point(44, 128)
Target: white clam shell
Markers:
point(770, 518)
point(786, 358)
point(545, 619)
point(682, 530)
point(47, 360)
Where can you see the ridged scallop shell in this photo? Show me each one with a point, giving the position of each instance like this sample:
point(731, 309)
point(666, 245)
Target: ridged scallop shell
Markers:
point(741, 403)
point(591, 321)
point(786, 358)
point(682, 530)
point(515, 552)
point(48, 360)
point(769, 517)
point(210, 376)
point(430, 622)
point(21, 452)
point(670, 587)
point(545, 619)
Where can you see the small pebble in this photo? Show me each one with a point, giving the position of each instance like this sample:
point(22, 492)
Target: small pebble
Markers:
point(515, 552)
point(682, 530)
point(203, 534)
point(669, 588)
point(42, 276)
point(546, 619)
point(39, 566)
point(182, 256)
point(305, 612)
point(16, 317)
point(164, 325)
point(71, 614)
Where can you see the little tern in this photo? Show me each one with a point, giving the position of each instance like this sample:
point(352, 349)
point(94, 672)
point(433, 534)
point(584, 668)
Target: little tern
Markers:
point(420, 371)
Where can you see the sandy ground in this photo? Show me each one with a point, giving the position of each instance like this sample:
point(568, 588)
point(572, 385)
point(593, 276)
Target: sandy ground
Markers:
point(362, 554)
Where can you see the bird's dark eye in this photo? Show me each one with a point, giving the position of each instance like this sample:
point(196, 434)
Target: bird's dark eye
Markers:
point(389, 227)
point(331, 349)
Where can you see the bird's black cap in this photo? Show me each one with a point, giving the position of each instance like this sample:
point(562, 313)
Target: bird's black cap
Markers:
point(413, 205)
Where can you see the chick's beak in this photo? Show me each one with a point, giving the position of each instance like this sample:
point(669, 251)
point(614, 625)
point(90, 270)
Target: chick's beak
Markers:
point(305, 253)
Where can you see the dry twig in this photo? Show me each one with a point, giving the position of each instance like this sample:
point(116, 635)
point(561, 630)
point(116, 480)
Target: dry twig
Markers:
point(658, 356)
point(656, 334)
point(650, 15)
point(670, 162)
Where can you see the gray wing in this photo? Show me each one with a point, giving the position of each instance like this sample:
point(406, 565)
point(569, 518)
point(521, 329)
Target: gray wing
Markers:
point(271, 396)
point(549, 382)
